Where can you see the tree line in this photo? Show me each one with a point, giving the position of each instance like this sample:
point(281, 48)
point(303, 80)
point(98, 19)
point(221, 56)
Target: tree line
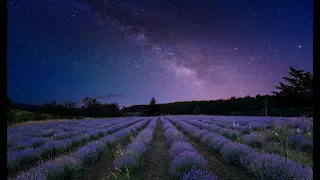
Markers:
point(294, 97)
point(91, 108)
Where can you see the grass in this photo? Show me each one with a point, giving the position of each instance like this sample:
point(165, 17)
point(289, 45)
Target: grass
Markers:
point(15, 117)
point(18, 117)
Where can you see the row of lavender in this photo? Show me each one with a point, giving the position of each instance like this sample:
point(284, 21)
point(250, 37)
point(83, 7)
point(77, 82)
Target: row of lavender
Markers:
point(131, 161)
point(298, 125)
point(257, 139)
point(187, 163)
point(26, 136)
point(18, 160)
point(69, 166)
point(272, 140)
point(261, 165)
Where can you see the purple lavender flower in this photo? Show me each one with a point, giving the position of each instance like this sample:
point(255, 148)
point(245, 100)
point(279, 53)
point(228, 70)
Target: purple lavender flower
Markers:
point(300, 142)
point(71, 166)
point(48, 133)
point(136, 149)
point(22, 158)
point(88, 153)
point(245, 129)
point(178, 148)
point(258, 127)
point(208, 137)
point(32, 175)
point(198, 174)
point(229, 133)
point(254, 140)
point(186, 161)
point(273, 166)
point(233, 152)
point(21, 145)
point(62, 145)
point(126, 162)
point(217, 143)
point(271, 136)
point(273, 147)
point(36, 142)
point(67, 160)
point(200, 133)
point(173, 137)
point(306, 126)
point(53, 170)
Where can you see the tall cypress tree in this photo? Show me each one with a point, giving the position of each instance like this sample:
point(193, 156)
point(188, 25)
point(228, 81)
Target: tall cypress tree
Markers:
point(152, 107)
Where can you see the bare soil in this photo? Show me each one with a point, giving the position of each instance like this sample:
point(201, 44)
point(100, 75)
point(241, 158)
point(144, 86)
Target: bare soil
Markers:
point(104, 166)
point(157, 161)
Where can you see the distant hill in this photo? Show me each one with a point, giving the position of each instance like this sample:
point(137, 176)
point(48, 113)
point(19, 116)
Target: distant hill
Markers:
point(27, 107)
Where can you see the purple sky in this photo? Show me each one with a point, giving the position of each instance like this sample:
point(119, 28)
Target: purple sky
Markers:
point(129, 51)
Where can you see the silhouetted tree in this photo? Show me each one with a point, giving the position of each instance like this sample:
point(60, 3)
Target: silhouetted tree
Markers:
point(68, 109)
point(91, 107)
point(246, 106)
point(152, 107)
point(70, 104)
point(196, 110)
point(297, 90)
point(90, 103)
point(51, 107)
point(113, 109)
point(299, 84)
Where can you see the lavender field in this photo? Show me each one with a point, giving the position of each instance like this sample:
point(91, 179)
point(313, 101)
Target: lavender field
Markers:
point(166, 147)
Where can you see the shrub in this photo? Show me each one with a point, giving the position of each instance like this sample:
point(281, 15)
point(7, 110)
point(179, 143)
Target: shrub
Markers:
point(208, 137)
point(178, 148)
point(273, 147)
point(217, 143)
point(186, 161)
point(254, 140)
point(273, 166)
point(198, 174)
point(300, 142)
point(233, 152)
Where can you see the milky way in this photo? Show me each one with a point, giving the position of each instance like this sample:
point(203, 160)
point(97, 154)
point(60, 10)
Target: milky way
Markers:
point(129, 51)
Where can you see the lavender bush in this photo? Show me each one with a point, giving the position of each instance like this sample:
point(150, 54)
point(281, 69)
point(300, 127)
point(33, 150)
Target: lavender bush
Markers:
point(233, 152)
point(254, 140)
point(208, 137)
point(132, 159)
point(217, 143)
point(186, 161)
point(300, 142)
point(272, 166)
point(198, 174)
point(178, 148)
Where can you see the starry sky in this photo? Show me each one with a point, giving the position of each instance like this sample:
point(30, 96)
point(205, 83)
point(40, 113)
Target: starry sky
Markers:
point(131, 50)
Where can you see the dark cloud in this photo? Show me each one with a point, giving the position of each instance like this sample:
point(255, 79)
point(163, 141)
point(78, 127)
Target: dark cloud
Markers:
point(110, 96)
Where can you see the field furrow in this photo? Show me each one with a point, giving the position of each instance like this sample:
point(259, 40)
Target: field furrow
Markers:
point(216, 163)
point(84, 156)
point(259, 164)
point(157, 162)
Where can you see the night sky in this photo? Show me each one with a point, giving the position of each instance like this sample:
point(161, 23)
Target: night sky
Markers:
point(176, 50)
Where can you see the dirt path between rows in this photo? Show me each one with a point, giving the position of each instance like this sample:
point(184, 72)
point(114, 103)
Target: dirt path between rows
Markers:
point(157, 162)
point(216, 164)
point(104, 166)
